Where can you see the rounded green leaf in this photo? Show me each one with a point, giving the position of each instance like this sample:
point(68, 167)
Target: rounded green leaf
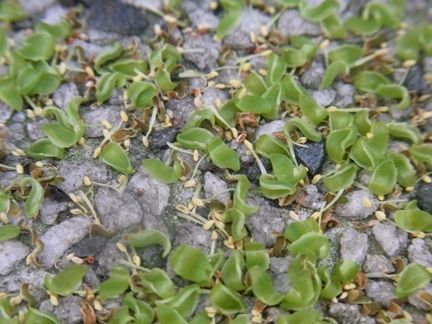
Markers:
point(33, 316)
point(383, 179)
point(347, 53)
point(311, 242)
point(362, 26)
point(225, 300)
point(414, 220)
point(369, 81)
point(297, 229)
point(230, 20)
point(301, 317)
point(406, 174)
point(37, 47)
point(254, 104)
point(222, 155)
point(294, 57)
point(9, 231)
point(343, 178)
point(191, 264)
point(11, 10)
point(113, 155)
point(267, 145)
point(60, 135)
point(149, 237)
point(186, 300)
point(9, 93)
point(44, 149)
point(162, 172)
point(67, 281)
point(412, 278)
point(273, 188)
point(311, 109)
point(158, 282)
point(263, 288)
point(256, 255)
point(168, 315)
point(115, 285)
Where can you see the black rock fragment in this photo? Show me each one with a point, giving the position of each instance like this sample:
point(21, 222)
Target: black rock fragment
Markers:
point(424, 197)
point(118, 17)
point(312, 156)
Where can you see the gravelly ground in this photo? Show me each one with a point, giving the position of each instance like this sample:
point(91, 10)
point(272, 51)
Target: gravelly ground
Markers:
point(147, 203)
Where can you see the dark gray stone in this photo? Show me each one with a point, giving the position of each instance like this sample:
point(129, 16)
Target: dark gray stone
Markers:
point(117, 211)
point(118, 17)
point(349, 314)
point(414, 80)
point(380, 291)
point(58, 239)
point(354, 245)
point(354, 208)
point(419, 252)
point(312, 156)
point(90, 246)
point(266, 221)
point(11, 253)
point(377, 263)
point(424, 197)
point(160, 137)
point(67, 311)
point(392, 240)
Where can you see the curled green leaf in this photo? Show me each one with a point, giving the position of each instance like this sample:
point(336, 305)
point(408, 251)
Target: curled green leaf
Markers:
point(226, 300)
point(267, 145)
point(343, 178)
point(194, 138)
point(149, 237)
point(191, 264)
point(35, 197)
point(319, 12)
point(109, 54)
point(141, 93)
point(338, 141)
point(162, 172)
point(158, 282)
point(240, 195)
point(232, 271)
point(333, 71)
point(406, 174)
point(263, 288)
point(106, 84)
point(306, 128)
point(422, 153)
point(405, 131)
point(311, 109)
